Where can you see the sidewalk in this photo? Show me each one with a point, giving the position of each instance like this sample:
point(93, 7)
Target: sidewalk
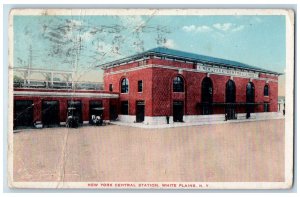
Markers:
point(186, 124)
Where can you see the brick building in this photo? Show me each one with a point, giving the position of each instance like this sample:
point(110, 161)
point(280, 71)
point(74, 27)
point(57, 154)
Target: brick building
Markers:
point(157, 86)
point(49, 106)
point(163, 85)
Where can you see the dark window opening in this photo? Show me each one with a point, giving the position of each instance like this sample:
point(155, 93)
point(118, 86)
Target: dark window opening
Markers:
point(230, 92)
point(124, 107)
point(124, 85)
point(75, 110)
point(110, 87)
point(113, 115)
point(96, 109)
point(178, 84)
point(230, 100)
point(23, 113)
point(266, 90)
point(207, 96)
point(140, 86)
point(50, 113)
point(250, 98)
point(178, 111)
point(140, 111)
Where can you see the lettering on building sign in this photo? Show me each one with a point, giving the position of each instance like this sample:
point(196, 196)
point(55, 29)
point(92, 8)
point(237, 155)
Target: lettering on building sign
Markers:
point(230, 72)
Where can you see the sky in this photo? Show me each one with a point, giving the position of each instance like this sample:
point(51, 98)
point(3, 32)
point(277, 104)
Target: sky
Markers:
point(82, 42)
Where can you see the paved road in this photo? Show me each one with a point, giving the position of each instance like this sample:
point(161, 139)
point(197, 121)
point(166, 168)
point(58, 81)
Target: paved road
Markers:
point(249, 151)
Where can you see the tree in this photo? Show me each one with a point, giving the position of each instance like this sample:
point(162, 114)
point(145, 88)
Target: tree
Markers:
point(18, 79)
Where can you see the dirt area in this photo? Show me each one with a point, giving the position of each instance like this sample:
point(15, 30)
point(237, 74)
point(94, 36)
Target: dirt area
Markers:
point(248, 151)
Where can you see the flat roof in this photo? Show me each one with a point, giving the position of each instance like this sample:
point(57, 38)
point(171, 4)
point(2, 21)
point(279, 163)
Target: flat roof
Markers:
point(186, 56)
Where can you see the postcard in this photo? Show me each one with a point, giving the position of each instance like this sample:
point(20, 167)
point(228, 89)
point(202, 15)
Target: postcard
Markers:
point(151, 98)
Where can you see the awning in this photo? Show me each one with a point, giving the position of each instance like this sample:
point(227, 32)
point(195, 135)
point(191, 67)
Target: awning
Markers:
point(236, 104)
point(98, 108)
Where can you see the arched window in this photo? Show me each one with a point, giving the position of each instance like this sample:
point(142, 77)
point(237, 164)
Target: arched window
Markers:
point(250, 98)
point(178, 84)
point(207, 96)
point(230, 100)
point(266, 90)
point(250, 93)
point(230, 91)
point(124, 85)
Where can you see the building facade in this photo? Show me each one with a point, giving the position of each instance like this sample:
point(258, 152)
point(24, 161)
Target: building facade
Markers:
point(159, 86)
point(164, 86)
point(49, 107)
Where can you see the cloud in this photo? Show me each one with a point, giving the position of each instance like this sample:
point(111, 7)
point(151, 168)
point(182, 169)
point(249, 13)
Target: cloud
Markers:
point(169, 43)
point(189, 28)
point(193, 28)
point(223, 27)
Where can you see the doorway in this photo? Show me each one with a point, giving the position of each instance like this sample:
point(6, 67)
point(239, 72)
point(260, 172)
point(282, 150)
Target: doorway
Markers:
point(113, 112)
point(178, 111)
point(95, 109)
point(50, 113)
point(76, 107)
point(140, 111)
point(23, 113)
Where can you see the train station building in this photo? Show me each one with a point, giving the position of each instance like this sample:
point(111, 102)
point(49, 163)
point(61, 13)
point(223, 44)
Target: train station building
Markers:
point(163, 85)
point(158, 86)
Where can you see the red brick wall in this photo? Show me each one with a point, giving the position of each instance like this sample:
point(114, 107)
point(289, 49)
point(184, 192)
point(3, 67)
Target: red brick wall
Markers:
point(158, 89)
point(133, 95)
point(63, 104)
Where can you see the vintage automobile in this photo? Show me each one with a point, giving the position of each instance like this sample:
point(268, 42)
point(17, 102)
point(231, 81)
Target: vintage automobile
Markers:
point(96, 119)
point(72, 118)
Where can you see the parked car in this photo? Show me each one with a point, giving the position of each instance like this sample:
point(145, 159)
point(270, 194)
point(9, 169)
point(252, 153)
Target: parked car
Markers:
point(72, 118)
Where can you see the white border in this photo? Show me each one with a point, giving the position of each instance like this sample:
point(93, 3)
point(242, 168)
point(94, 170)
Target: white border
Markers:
point(224, 185)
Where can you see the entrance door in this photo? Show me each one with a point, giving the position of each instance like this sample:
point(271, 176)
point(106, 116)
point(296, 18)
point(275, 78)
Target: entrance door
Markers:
point(113, 112)
point(50, 113)
point(78, 109)
point(140, 111)
point(178, 111)
point(23, 113)
point(230, 100)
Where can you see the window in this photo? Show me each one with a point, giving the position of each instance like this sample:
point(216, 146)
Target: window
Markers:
point(230, 91)
point(124, 107)
point(178, 85)
point(207, 96)
point(250, 93)
point(140, 86)
point(124, 85)
point(266, 90)
point(266, 107)
point(110, 87)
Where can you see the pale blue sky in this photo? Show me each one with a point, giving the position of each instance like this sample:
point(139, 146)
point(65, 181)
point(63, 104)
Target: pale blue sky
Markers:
point(254, 40)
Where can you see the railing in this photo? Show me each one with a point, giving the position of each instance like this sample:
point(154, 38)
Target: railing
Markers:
point(59, 85)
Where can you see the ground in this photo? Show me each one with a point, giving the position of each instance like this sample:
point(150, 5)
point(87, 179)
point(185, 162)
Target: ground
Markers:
point(247, 151)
